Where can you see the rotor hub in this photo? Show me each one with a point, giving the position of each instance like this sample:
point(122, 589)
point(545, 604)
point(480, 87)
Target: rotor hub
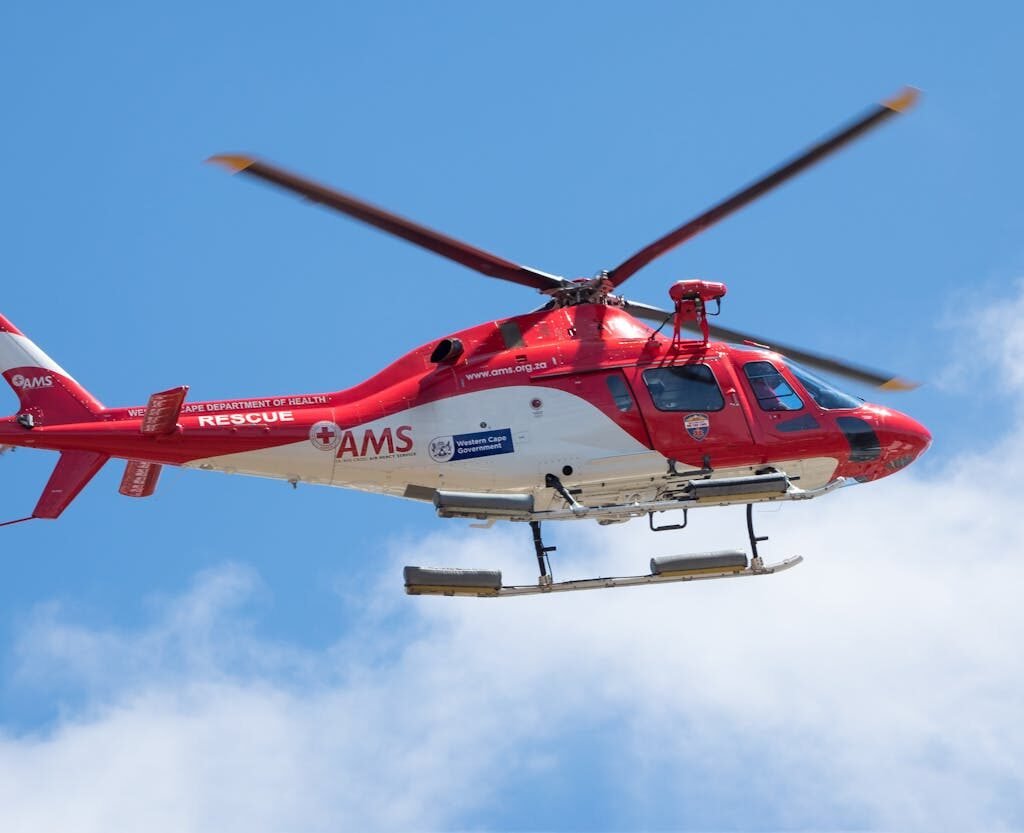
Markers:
point(595, 290)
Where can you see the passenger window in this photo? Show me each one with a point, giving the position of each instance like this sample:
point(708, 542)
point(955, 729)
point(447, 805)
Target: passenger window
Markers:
point(688, 387)
point(773, 393)
point(620, 393)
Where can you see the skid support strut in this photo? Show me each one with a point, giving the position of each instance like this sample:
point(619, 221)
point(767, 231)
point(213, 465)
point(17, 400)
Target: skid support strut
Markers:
point(543, 562)
point(552, 482)
point(755, 559)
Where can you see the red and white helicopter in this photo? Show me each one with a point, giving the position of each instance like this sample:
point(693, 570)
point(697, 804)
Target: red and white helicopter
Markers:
point(576, 410)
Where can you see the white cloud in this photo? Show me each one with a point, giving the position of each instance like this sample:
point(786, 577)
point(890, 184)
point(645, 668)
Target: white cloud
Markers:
point(999, 329)
point(878, 685)
point(988, 344)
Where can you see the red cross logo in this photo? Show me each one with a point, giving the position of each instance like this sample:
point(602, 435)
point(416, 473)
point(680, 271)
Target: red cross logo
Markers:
point(325, 435)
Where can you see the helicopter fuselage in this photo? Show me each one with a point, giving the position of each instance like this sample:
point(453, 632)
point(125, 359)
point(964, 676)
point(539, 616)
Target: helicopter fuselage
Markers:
point(586, 393)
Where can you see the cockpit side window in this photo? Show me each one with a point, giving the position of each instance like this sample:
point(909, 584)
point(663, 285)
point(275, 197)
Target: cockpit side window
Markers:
point(687, 387)
point(772, 392)
point(822, 392)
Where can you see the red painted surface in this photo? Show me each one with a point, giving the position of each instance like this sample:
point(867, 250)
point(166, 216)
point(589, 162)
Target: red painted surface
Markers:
point(51, 397)
point(139, 478)
point(7, 327)
point(73, 472)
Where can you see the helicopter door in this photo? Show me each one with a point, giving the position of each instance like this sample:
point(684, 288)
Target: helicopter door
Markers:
point(782, 417)
point(693, 411)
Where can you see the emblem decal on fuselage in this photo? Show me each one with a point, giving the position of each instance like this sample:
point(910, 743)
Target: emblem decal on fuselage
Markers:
point(442, 449)
point(325, 435)
point(457, 447)
point(697, 425)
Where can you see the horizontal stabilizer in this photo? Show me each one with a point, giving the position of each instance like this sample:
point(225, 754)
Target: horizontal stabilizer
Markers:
point(162, 411)
point(139, 478)
point(74, 470)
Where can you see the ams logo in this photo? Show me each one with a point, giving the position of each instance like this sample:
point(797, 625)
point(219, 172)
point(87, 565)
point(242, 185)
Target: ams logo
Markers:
point(371, 444)
point(31, 382)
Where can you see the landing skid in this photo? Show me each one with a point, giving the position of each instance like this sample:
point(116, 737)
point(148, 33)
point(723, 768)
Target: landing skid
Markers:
point(420, 581)
point(447, 580)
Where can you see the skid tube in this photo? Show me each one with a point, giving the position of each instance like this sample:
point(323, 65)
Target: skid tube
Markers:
point(487, 584)
point(636, 581)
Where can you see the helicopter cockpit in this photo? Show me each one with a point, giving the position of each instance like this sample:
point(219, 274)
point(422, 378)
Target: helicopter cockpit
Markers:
point(774, 393)
point(826, 395)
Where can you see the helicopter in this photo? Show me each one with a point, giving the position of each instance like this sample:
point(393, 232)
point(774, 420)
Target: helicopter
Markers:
point(591, 406)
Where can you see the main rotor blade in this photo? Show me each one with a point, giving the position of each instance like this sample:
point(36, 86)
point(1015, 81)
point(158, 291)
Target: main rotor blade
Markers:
point(875, 378)
point(485, 262)
point(786, 171)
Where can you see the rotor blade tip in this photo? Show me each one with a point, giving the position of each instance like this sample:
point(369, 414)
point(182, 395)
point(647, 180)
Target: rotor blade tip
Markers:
point(904, 100)
point(898, 384)
point(233, 162)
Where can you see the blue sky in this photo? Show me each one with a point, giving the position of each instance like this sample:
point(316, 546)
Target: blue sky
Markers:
point(238, 622)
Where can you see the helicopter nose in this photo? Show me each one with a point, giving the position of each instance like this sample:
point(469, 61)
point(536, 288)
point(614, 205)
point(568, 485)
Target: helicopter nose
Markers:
point(903, 440)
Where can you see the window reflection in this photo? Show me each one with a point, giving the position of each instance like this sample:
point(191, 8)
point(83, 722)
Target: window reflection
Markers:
point(773, 393)
point(620, 393)
point(822, 392)
point(688, 387)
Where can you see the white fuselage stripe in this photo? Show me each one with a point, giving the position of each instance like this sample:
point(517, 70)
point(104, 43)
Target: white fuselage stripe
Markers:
point(567, 435)
point(19, 351)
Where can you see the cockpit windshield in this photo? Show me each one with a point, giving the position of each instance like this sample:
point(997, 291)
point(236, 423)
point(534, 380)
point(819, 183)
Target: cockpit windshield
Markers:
point(827, 396)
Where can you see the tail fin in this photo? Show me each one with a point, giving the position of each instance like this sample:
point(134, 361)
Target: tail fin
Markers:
point(73, 472)
point(45, 390)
